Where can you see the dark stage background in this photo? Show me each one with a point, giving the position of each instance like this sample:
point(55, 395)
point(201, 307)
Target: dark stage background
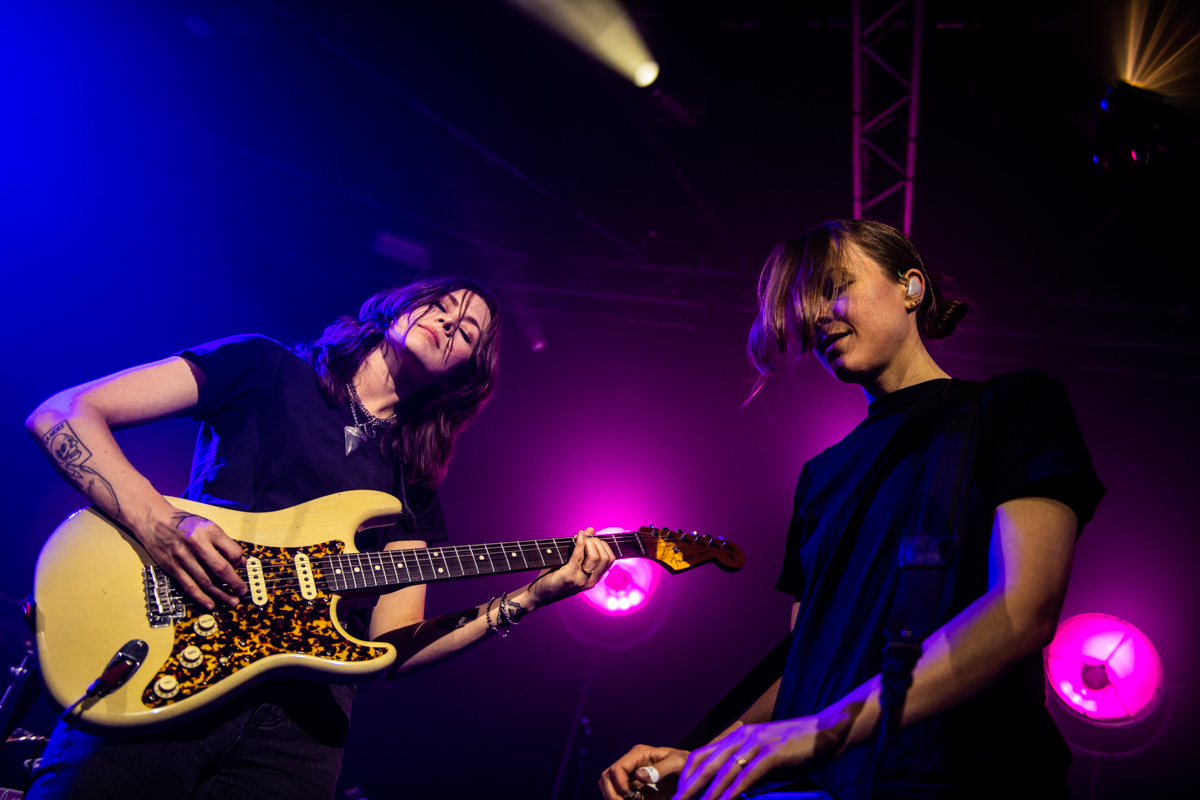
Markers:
point(175, 172)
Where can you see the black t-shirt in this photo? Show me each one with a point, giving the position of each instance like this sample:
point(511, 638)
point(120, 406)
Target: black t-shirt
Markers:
point(270, 440)
point(854, 502)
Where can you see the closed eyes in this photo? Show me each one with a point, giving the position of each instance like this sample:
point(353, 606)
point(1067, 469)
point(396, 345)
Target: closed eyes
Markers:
point(461, 330)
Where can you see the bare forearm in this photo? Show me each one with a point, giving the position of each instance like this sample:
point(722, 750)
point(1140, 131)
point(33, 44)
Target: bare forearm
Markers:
point(760, 711)
point(425, 643)
point(1032, 545)
point(958, 661)
point(79, 444)
point(399, 616)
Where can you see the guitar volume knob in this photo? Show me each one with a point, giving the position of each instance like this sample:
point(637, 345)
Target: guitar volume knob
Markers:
point(166, 687)
point(206, 625)
point(191, 657)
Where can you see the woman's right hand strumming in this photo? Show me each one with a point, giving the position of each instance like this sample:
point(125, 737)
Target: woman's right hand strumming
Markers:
point(201, 557)
point(74, 429)
point(628, 777)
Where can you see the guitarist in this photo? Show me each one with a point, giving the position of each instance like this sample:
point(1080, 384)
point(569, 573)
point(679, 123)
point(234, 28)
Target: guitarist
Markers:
point(375, 403)
point(861, 298)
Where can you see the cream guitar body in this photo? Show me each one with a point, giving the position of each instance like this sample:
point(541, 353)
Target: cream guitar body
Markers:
point(91, 596)
point(97, 593)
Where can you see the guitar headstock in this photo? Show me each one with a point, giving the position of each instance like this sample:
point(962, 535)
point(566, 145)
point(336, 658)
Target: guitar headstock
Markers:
point(678, 551)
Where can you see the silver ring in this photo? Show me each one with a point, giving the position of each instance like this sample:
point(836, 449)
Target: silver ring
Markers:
point(585, 572)
point(741, 761)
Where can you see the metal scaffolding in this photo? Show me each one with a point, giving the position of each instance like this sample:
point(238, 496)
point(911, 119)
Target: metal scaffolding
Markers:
point(873, 135)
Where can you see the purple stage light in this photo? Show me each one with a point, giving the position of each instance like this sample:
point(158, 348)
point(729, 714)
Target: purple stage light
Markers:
point(626, 587)
point(1104, 668)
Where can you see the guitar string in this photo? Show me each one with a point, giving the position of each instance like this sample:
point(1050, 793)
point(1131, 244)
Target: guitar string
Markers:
point(289, 577)
point(529, 549)
point(285, 572)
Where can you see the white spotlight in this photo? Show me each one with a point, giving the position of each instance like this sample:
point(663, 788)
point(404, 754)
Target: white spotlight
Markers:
point(645, 73)
point(601, 28)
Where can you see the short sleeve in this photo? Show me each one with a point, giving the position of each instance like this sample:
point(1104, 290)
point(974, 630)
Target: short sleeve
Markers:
point(792, 579)
point(1038, 449)
point(236, 371)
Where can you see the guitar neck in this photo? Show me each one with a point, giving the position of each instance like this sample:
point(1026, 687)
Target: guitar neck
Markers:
point(389, 569)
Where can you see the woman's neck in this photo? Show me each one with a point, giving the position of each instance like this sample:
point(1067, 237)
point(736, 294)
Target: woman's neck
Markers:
point(380, 381)
point(913, 365)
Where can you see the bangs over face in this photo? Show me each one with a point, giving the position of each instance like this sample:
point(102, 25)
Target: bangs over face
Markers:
point(801, 278)
point(804, 275)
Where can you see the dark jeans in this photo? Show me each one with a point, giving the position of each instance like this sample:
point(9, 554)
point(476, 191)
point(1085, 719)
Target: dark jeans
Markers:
point(282, 740)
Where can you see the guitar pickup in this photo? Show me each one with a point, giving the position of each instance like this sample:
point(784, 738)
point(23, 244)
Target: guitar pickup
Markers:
point(164, 601)
point(304, 576)
point(254, 577)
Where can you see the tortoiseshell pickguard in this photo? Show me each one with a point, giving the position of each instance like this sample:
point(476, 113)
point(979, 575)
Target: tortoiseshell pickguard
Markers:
point(287, 623)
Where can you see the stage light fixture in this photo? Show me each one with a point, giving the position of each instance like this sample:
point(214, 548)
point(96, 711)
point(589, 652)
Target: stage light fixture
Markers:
point(626, 587)
point(1159, 48)
point(1137, 129)
point(601, 28)
point(1104, 669)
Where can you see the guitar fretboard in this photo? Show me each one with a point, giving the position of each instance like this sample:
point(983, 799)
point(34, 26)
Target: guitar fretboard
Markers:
point(387, 568)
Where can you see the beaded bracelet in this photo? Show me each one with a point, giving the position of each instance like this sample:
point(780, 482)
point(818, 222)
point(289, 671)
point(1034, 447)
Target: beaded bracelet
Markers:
point(488, 616)
point(502, 612)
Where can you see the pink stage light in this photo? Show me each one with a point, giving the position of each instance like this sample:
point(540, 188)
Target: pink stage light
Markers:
point(626, 587)
point(1104, 668)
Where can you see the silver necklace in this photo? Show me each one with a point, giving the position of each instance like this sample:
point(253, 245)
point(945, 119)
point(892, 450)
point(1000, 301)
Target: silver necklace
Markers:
point(360, 432)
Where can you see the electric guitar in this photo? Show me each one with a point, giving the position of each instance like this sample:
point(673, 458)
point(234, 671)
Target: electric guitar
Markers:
point(97, 593)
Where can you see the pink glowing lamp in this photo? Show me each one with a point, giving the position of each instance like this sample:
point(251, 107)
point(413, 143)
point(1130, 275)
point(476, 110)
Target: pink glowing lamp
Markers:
point(1104, 668)
point(626, 587)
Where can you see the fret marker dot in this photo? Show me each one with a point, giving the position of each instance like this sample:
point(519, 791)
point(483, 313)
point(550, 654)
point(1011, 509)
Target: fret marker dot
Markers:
point(514, 555)
point(376, 566)
point(441, 570)
point(356, 569)
point(481, 558)
point(547, 549)
point(338, 571)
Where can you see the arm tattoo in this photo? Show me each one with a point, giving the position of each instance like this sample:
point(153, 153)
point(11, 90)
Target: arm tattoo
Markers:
point(452, 622)
point(513, 610)
point(69, 455)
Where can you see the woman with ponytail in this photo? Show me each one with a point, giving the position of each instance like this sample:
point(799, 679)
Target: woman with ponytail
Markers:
point(946, 518)
point(375, 403)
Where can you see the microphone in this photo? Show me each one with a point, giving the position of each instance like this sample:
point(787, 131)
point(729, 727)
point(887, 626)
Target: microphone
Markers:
point(119, 669)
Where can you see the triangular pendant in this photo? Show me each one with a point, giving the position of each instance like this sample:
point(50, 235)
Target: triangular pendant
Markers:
point(354, 437)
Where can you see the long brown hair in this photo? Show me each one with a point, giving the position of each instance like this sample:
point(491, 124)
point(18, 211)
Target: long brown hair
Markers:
point(431, 419)
point(801, 275)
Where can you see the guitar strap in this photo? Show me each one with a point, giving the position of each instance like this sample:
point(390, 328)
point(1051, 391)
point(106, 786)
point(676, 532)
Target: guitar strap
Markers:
point(925, 555)
point(739, 698)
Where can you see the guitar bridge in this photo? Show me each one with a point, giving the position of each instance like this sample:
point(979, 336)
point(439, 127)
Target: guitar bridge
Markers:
point(164, 602)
